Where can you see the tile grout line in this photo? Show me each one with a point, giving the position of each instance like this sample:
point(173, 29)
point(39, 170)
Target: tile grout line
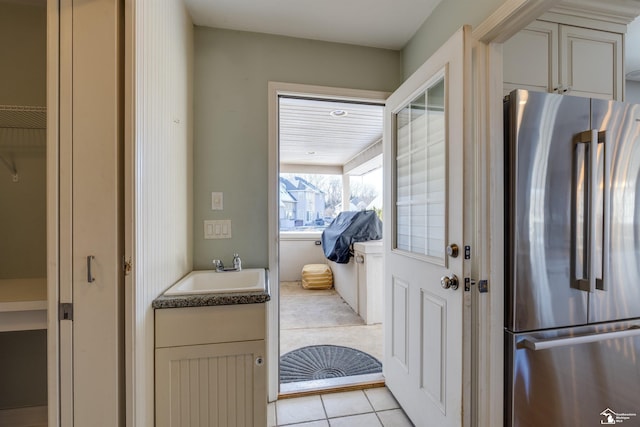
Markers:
point(375, 411)
point(324, 408)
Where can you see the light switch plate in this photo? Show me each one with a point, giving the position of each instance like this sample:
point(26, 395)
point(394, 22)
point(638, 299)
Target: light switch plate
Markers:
point(217, 229)
point(216, 201)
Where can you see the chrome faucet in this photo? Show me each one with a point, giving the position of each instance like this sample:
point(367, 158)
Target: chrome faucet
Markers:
point(237, 262)
point(218, 265)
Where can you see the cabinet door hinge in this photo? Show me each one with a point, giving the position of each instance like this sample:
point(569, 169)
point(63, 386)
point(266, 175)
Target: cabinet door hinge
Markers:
point(66, 311)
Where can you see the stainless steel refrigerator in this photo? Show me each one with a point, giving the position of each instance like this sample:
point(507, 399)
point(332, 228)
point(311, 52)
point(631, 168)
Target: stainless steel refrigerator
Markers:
point(572, 309)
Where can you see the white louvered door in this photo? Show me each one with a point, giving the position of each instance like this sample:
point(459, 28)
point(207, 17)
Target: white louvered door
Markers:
point(424, 135)
point(214, 385)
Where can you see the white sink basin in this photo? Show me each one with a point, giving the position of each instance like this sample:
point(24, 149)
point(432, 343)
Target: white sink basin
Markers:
point(210, 281)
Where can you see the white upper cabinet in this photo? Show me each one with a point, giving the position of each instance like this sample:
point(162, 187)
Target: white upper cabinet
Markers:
point(531, 58)
point(551, 57)
point(591, 62)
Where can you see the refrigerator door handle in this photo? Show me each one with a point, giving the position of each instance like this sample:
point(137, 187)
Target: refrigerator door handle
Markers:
point(601, 214)
point(535, 344)
point(581, 212)
point(588, 213)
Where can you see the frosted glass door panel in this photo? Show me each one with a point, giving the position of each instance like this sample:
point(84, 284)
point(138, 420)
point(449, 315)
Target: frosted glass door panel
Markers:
point(420, 175)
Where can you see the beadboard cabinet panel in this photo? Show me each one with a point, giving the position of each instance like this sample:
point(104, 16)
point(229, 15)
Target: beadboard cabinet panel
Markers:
point(210, 366)
point(216, 385)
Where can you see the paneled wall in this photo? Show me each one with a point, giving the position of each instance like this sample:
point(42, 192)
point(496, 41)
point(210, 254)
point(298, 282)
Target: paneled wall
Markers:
point(163, 91)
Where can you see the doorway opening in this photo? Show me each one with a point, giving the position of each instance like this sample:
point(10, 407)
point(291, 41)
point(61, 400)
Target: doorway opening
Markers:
point(24, 182)
point(330, 313)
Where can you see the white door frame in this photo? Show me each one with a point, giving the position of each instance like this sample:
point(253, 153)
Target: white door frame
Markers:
point(487, 380)
point(487, 375)
point(53, 213)
point(277, 89)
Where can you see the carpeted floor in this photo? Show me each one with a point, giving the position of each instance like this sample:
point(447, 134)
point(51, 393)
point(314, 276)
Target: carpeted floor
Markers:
point(302, 308)
point(315, 317)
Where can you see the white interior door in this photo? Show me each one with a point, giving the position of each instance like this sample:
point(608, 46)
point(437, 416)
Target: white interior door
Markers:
point(424, 138)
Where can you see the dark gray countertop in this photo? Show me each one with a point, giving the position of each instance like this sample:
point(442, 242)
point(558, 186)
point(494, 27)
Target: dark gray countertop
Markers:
point(203, 300)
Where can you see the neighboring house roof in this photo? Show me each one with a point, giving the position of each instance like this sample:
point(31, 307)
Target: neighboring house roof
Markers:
point(288, 186)
point(285, 196)
point(299, 184)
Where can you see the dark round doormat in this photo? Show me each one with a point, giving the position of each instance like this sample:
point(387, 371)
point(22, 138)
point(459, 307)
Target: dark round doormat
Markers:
point(318, 362)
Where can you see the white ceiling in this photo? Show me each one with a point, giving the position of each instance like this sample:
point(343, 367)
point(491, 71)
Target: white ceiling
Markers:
point(311, 135)
point(378, 23)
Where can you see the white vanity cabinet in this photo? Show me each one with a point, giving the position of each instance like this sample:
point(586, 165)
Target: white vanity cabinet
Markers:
point(210, 366)
point(570, 59)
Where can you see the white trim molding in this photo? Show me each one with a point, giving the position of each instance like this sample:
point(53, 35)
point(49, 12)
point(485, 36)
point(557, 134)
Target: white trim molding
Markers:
point(613, 11)
point(53, 211)
point(510, 18)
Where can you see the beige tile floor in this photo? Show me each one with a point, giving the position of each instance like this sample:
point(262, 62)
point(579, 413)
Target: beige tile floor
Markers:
point(374, 407)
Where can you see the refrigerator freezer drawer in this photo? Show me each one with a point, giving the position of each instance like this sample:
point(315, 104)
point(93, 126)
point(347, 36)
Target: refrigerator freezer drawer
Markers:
point(576, 377)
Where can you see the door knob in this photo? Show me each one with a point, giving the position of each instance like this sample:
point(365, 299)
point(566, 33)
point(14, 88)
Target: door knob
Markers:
point(449, 282)
point(452, 250)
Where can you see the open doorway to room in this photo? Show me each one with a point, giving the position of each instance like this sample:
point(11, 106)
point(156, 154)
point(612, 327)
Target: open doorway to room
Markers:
point(330, 312)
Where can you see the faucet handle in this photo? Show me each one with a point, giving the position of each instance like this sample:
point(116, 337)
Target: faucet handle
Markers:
point(218, 264)
point(237, 263)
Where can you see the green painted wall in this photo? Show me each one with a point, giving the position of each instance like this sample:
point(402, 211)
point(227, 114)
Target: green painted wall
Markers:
point(443, 22)
point(231, 73)
point(23, 42)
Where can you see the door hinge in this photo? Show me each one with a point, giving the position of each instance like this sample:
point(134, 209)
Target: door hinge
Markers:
point(66, 311)
point(127, 265)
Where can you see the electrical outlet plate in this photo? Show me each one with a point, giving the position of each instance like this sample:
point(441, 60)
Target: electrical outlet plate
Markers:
point(217, 229)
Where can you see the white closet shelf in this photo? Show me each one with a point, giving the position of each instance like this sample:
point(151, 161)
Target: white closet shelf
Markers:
point(23, 304)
